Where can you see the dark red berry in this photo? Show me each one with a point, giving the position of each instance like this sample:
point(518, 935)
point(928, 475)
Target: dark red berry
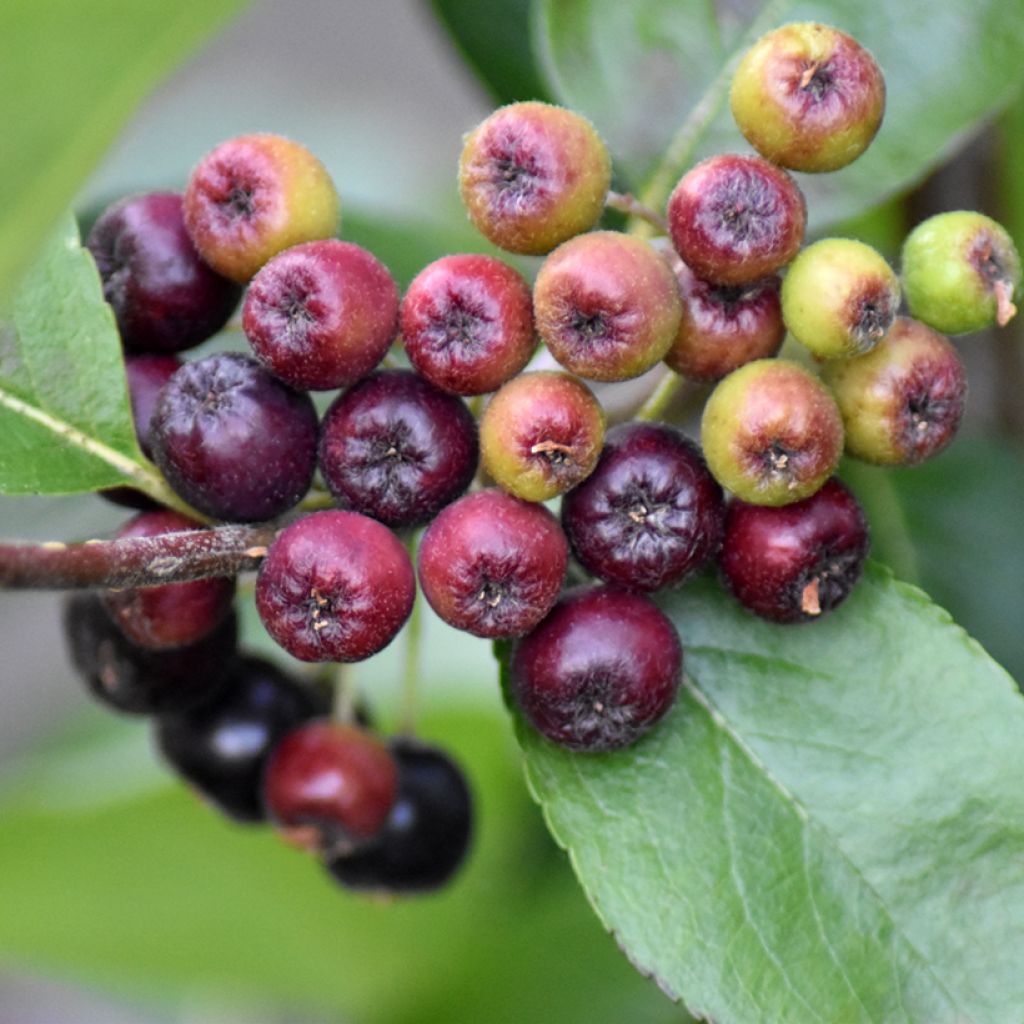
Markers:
point(492, 564)
point(164, 297)
point(734, 219)
point(335, 586)
point(397, 448)
point(172, 614)
point(426, 834)
point(222, 746)
point(795, 562)
point(134, 680)
point(467, 323)
point(234, 441)
point(650, 514)
point(329, 784)
point(321, 315)
point(599, 671)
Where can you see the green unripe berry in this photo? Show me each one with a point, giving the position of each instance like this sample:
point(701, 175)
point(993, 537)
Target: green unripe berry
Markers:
point(839, 297)
point(960, 272)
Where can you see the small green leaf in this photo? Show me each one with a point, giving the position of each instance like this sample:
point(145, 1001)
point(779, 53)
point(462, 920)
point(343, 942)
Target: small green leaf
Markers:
point(828, 827)
point(641, 70)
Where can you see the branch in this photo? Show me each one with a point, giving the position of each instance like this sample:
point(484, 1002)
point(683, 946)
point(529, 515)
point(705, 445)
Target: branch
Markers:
point(134, 561)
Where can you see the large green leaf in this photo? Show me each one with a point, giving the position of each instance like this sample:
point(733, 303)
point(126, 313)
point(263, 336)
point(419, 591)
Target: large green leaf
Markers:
point(828, 827)
point(70, 75)
point(639, 69)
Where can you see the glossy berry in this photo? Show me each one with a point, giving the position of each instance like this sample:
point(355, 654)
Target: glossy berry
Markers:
point(427, 833)
point(541, 434)
point(331, 784)
point(606, 305)
point(839, 298)
point(253, 196)
point(221, 747)
point(599, 671)
point(492, 564)
point(903, 401)
point(795, 563)
point(960, 271)
point(532, 175)
point(724, 326)
point(164, 296)
point(335, 586)
point(234, 441)
point(771, 432)
point(172, 614)
point(397, 448)
point(467, 323)
point(734, 219)
point(650, 514)
point(134, 680)
point(808, 97)
point(322, 314)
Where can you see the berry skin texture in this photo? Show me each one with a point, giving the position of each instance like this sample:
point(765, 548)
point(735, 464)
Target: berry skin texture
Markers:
point(599, 671)
point(467, 323)
point(532, 175)
point(650, 514)
point(808, 97)
point(734, 219)
point(172, 614)
point(136, 681)
point(397, 448)
point(839, 298)
point(541, 434)
point(795, 563)
point(253, 196)
point(903, 401)
point(234, 441)
point(724, 326)
point(321, 315)
point(606, 305)
point(330, 784)
point(164, 296)
point(335, 586)
point(771, 432)
point(492, 564)
point(221, 747)
point(426, 835)
point(960, 272)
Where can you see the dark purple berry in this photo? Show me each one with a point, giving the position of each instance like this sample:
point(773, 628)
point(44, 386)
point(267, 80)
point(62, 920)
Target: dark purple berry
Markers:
point(427, 833)
point(234, 441)
point(397, 448)
point(221, 747)
point(165, 298)
point(134, 680)
point(492, 564)
point(650, 514)
point(599, 671)
point(335, 586)
point(795, 562)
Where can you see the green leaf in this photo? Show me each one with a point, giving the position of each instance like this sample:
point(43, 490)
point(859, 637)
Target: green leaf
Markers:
point(494, 38)
point(829, 826)
point(71, 73)
point(640, 69)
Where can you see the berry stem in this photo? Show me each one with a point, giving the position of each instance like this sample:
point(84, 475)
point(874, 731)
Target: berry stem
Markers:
point(628, 204)
point(134, 561)
point(660, 398)
point(413, 643)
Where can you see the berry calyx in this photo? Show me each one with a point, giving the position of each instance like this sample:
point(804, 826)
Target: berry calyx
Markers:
point(492, 564)
point(606, 305)
point(808, 97)
point(335, 586)
point(532, 175)
point(793, 564)
point(599, 671)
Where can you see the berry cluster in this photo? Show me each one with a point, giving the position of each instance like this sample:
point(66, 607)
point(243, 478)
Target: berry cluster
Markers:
point(642, 506)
